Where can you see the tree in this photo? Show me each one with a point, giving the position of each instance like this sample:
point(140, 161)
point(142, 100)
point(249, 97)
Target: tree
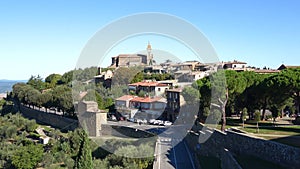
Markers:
point(294, 76)
point(220, 93)
point(138, 77)
point(191, 95)
point(47, 100)
point(124, 75)
point(62, 98)
point(36, 82)
point(236, 85)
point(67, 77)
point(257, 117)
point(84, 156)
point(27, 156)
point(204, 87)
point(52, 80)
point(33, 97)
point(244, 115)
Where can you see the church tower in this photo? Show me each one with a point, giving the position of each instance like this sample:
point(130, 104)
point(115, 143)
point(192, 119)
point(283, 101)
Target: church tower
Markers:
point(149, 54)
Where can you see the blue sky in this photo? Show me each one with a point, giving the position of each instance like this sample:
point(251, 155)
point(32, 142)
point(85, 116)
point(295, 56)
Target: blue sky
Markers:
point(44, 37)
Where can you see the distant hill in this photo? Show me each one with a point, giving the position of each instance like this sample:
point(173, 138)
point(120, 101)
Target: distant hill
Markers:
point(6, 85)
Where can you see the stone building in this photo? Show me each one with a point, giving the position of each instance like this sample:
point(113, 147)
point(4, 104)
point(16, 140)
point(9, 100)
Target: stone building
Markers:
point(91, 118)
point(128, 60)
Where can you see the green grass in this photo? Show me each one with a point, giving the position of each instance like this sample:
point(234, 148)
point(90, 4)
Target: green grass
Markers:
point(209, 162)
point(251, 162)
point(288, 135)
point(288, 130)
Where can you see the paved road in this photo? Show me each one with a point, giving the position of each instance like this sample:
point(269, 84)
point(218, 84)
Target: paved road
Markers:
point(172, 153)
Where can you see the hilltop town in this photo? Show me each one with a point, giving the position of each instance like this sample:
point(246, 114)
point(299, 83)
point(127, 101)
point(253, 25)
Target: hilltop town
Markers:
point(181, 108)
point(150, 97)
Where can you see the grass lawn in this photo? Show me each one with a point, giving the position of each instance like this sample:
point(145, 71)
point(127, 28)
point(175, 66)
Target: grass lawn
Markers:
point(284, 130)
point(289, 135)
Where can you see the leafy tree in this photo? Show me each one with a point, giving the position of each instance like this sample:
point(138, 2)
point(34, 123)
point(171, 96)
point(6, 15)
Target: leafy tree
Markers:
point(124, 75)
point(204, 87)
point(236, 84)
point(62, 98)
point(33, 96)
point(36, 82)
point(67, 77)
point(220, 94)
point(52, 80)
point(191, 95)
point(100, 163)
point(30, 125)
point(244, 115)
point(138, 77)
point(28, 156)
point(257, 116)
point(46, 99)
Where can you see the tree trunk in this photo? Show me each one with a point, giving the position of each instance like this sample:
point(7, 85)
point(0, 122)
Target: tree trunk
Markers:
point(297, 102)
point(264, 111)
point(223, 105)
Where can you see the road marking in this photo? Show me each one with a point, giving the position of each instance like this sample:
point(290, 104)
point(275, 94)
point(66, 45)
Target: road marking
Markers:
point(190, 156)
point(174, 155)
point(159, 153)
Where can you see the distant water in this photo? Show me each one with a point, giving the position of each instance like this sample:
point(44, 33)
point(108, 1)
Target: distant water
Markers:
point(6, 85)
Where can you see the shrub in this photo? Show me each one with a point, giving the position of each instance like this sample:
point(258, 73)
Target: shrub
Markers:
point(30, 126)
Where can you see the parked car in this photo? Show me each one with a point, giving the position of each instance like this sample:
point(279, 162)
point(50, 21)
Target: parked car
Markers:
point(167, 123)
point(151, 121)
point(144, 121)
point(158, 122)
point(131, 120)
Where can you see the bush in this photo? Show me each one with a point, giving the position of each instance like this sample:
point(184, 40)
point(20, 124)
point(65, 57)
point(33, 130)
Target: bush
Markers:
point(10, 132)
point(27, 157)
point(30, 126)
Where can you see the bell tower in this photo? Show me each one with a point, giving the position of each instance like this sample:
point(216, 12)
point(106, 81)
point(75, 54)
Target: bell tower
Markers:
point(149, 54)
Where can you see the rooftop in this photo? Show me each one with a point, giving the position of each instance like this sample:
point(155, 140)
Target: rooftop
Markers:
point(175, 90)
point(147, 83)
point(146, 99)
point(235, 62)
point(126, 97)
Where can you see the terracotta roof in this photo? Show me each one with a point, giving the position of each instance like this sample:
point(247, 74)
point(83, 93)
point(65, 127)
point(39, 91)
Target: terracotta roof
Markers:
point(126, 97)
point(146, 99)
point(147, 84)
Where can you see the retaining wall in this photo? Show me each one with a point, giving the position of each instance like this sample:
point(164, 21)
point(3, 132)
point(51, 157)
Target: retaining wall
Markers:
point(57, 121)
point(222, 145)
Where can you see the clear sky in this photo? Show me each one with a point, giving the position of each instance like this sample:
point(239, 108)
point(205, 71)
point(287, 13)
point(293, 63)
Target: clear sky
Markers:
point(44, 37)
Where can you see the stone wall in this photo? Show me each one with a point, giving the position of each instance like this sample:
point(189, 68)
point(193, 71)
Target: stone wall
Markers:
point(54, 120)
point(66, 124)
point(223, 145)
point(125, 132)
point(284, 155)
